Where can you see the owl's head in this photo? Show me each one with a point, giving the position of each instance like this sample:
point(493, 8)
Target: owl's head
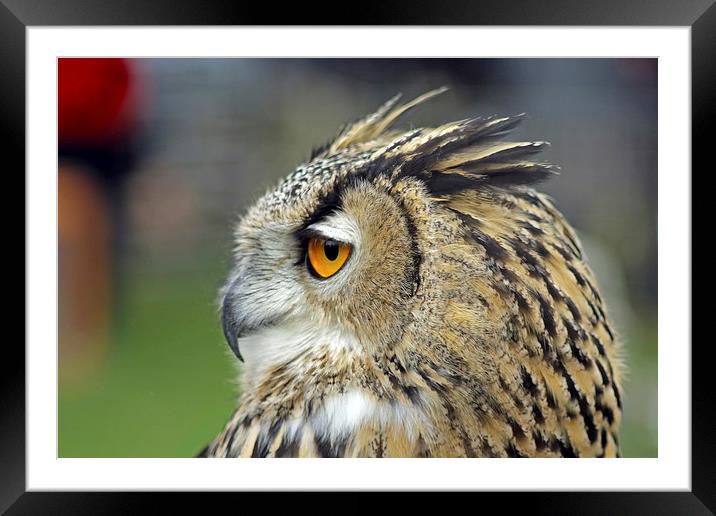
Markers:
point(346, 257)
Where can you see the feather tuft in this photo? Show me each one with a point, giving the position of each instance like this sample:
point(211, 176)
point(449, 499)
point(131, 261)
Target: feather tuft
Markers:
point(373, 125)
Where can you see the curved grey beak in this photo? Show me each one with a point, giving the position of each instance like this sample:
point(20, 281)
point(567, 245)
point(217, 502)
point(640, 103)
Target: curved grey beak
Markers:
point(230, 325)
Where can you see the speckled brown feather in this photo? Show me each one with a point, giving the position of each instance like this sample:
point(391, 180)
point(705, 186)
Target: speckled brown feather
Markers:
point(486, 333)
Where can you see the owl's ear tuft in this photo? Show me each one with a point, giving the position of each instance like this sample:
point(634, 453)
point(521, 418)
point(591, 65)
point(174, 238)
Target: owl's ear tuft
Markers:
point(451, 182)
point(372, 126)
point(470, 153)
point(450, 158)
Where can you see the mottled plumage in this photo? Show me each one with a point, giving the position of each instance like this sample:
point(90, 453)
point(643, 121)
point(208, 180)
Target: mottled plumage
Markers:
point(465, 322)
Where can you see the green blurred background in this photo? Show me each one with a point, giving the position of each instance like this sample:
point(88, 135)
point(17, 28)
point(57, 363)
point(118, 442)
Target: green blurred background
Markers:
point(146, 211)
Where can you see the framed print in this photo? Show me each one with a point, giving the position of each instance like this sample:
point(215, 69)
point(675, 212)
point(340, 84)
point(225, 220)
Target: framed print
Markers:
point(240, 243)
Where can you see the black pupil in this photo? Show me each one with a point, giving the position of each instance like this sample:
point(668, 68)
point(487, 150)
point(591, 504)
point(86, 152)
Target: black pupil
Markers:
point(330, 249)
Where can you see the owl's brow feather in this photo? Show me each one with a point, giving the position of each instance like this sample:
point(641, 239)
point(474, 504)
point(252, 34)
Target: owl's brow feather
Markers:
point(328, 204)
point(308, 233)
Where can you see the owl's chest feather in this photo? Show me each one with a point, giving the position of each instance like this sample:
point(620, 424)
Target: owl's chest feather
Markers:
point(290, 365)
point(349, 424)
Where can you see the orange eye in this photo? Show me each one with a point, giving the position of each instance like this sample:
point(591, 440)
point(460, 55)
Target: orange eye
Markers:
point(326, 256)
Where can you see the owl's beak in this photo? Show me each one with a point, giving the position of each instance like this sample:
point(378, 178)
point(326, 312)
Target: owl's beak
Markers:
point(231, 326)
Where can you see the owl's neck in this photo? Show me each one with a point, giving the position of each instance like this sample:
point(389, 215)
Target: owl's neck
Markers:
point(297, 351)
point(320, 392)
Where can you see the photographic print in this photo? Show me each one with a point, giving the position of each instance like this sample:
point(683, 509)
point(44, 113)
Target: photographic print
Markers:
point(359, 257)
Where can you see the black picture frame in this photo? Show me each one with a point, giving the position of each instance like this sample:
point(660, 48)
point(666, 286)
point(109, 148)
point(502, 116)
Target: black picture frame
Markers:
point(17, 15)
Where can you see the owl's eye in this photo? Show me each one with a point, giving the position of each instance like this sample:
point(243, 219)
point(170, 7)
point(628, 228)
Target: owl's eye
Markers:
point(325, 257)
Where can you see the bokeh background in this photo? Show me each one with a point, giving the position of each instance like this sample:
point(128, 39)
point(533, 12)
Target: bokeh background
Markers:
point(158, 158)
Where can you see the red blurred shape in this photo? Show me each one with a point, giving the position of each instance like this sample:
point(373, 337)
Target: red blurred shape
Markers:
point(95, 100)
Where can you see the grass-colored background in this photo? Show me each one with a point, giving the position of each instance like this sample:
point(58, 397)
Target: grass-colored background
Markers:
point(167, 386)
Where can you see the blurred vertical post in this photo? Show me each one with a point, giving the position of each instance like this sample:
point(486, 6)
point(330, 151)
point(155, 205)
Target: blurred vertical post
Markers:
point(97, 103)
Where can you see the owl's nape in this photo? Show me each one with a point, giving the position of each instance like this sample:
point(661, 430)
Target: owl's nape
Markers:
point(410, 294)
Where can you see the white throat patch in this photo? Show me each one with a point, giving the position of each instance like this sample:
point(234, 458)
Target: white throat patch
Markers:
point(342, 414)
point(277, 345)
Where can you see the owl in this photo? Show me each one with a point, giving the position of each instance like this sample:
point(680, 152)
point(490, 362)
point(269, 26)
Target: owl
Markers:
point(410, 294)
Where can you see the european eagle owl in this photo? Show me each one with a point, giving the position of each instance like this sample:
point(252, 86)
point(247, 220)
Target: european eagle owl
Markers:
point(409, 294)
